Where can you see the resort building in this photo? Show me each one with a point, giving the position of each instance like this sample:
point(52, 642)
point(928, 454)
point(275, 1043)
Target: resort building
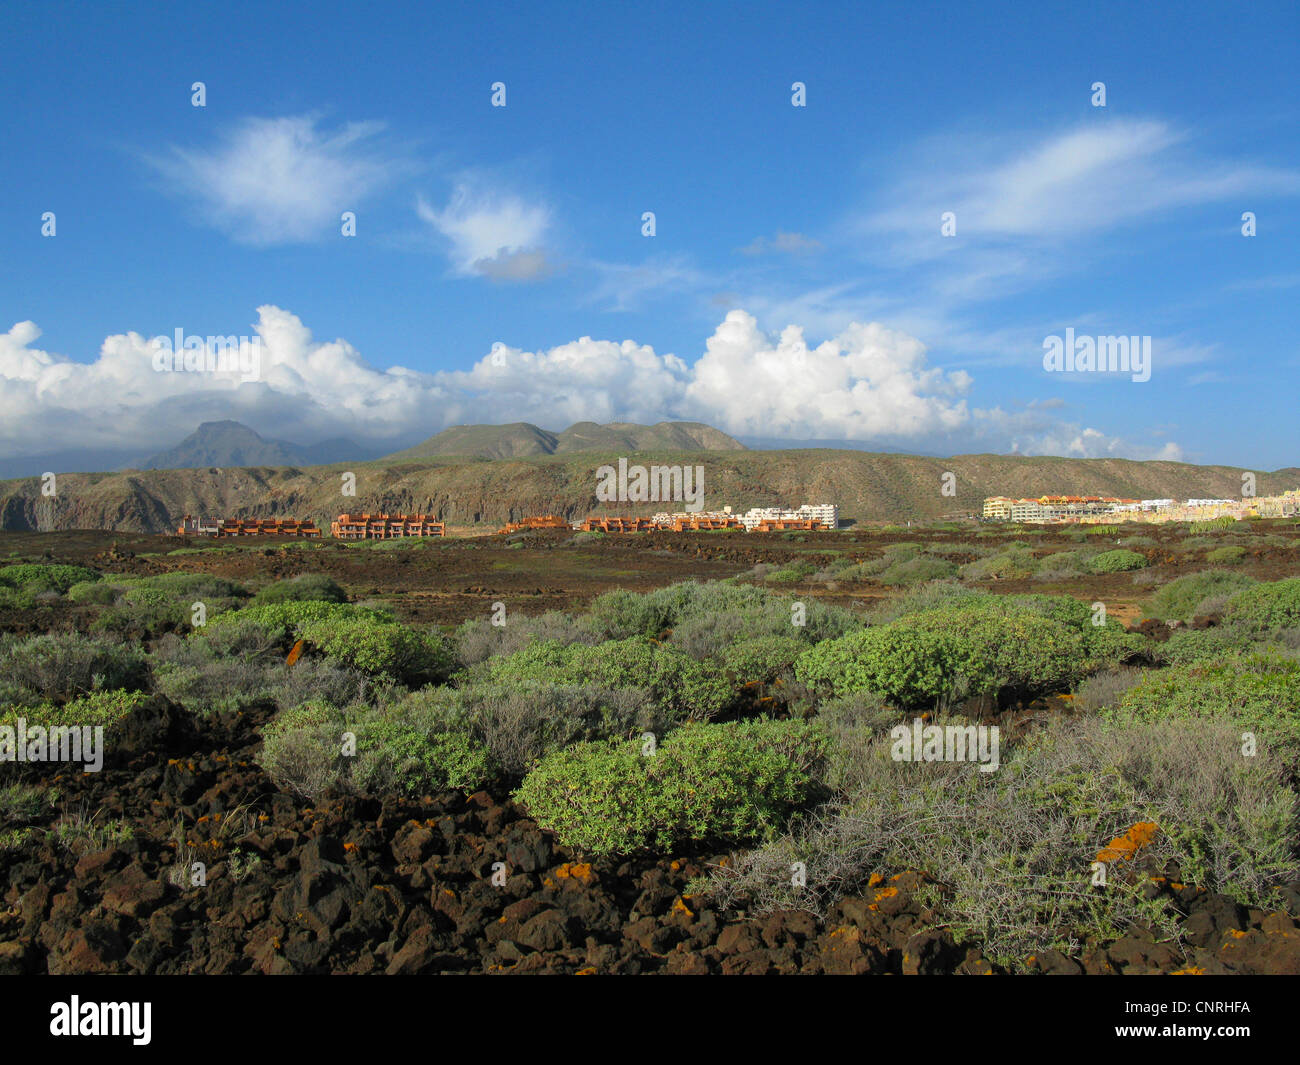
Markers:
point(384, 526)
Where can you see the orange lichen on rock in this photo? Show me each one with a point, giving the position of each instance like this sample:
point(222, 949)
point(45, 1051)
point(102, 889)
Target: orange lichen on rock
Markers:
point(876, 878)
point(576, 871)
point(1123, 848)
point(680, 907)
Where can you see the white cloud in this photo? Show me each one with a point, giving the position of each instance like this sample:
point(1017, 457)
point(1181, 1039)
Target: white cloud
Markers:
point(281, 180)
point(868, 383)
point(1079, 182)
point(492, 233)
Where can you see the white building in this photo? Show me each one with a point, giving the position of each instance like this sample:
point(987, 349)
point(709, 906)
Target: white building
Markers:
point(825, 514)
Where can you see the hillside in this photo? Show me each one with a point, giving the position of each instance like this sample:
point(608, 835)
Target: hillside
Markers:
point(522, 440)
point(867, 486)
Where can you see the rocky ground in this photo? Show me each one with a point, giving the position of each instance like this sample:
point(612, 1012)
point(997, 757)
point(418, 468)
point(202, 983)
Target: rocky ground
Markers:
point(362, 886)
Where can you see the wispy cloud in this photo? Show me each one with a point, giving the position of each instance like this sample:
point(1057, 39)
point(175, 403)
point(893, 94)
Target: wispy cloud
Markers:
point(1076, 183)
point(629, 286)
point(281, 180)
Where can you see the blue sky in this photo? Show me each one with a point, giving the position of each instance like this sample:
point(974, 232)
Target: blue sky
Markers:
point(797, 286)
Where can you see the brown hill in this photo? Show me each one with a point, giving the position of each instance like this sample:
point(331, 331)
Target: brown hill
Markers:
point(867, 487)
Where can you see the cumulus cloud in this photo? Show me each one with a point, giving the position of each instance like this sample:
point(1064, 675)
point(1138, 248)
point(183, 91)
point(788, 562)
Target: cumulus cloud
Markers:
point(868, 383)
point(490, 233)
point(281, 180)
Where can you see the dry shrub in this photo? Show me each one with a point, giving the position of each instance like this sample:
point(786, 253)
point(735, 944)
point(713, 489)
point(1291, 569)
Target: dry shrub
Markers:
point(1012, 850)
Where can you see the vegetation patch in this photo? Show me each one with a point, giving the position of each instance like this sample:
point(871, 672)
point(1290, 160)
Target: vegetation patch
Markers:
point(703, 783)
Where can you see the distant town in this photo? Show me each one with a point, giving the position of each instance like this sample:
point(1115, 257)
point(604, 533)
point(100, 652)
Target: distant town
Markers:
point(807, 517)
point(1106, 510)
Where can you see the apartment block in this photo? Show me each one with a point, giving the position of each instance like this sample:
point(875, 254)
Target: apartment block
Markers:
point(821, 515)
point(384, 526)
point(226, 527)
point(1099, 510)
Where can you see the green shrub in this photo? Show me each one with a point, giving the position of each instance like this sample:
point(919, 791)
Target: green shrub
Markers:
point(1266, 607)
point(306, 587)
point(917, 571)
point(762, 659)
point(37, 577)
point(102, 593)
point(283, 623)
point(192, 586)
point(419, 756)
point(682, 687)
point(1230, 555)
point(1186, 646)
point(1016, 564)
point(478, 639)
point(146, 607)
point(1104, 646)
point(692, 605)
point(103, 708)
point(925, 597)
point(940, 656)
point(1118, 561)
point(717, 784)
point(788, 575)
point(520, 724)
point(1180, 598)
point(707, 633)
point(229, 667)
point(1260, 692)
point(381, 648)
point(354, 635)
point(410, 749)
point(1063, 565)
point(1213, 524)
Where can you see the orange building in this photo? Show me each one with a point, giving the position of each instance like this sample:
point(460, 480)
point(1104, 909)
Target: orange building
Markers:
point(385, 526)
point(546, 521)
point(225, 527)
point(779, 524)
point(618, 525)
point(693, 523)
